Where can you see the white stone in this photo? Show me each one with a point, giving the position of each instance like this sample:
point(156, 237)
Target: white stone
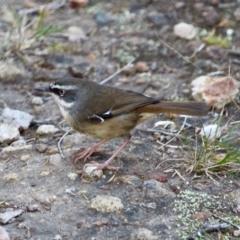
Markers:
point(185, 31)
point(46, 129)
point(3, 234)
point(211, 131)
point(11, 149)
point(16, 118)
point(8, 133)
point(72, 176)
point(19, 143)
point(37, 101)
point(106, 203)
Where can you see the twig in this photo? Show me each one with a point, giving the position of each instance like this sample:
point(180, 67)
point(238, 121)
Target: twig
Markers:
point(177, 134)
point(222, 227)
point(178, 173)
point(117, 72)
point(224, 220)
point(61, 139)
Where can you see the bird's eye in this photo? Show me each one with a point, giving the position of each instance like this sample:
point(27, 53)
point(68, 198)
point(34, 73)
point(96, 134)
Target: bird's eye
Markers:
point(61, 92)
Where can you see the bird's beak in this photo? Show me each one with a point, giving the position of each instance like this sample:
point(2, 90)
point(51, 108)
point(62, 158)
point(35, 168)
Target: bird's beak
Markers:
point(43, 89)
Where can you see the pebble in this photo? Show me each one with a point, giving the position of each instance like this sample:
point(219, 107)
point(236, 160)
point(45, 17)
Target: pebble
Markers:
point(19, 143)
point(19, 119)
point(9, 70)
point(141, 66)
point(7, 216)
point(57, 237)
point(41, 148)
point(3, 234)
point(53, 151)
point(237, 14)
point(91, 173)
point(37, 101)
point(106, 204)
point(103, 18)
point(72, 176)
point(158, 19)
point(11, 149)
point(76, 4)
point(211, 17)
point(8, 177)
point(156, 189)
point(25, 157)
point(8, 133)
point(75, 34)
point(46, 129)
point(185, 31)
point(143, 233)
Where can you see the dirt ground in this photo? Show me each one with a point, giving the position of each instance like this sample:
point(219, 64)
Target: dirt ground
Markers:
point(154, 195)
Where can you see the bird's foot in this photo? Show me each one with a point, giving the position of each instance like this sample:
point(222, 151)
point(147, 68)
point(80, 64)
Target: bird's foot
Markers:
point(83, 155)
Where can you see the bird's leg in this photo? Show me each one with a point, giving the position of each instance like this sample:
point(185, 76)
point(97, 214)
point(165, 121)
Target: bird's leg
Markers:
point(83, 155)
point(106, 164)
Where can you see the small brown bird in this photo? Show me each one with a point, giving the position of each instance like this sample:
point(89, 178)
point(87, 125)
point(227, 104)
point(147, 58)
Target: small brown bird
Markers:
point(105, 112)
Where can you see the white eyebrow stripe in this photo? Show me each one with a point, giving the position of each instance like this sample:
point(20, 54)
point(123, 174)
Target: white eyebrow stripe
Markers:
point(63, 87)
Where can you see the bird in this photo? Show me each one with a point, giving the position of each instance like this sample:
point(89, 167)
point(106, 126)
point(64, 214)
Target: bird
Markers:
point(106, 112)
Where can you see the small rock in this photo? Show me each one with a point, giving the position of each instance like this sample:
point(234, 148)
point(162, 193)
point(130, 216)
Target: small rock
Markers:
point(91, 173)
point(53, 151)
point(45, 173)
point(56, 160)
point(129, 70)
point(57, 237)
point(155, 189)
point(25, 157)
point(10, 177)
point(9, 71)
point(103, 18)
point(211, 131)
point(151, 205)
point(46, 129)
point(75, 34)
point(8, 133)
point(71, 191)
point(76, 4)
point(106, 203)
point(72, 176)
point(41, 148)
point(7, 216)
point(143, 233)
point(19, 143)
point(3, 234)
point(11, 149)
point(33, 208)
point(158, 19)
point(211, 18)
point(19, 119)
point(141, 67)
point(236, 233)
point(237, 14)
point(215, 91)
point(185, 31)
point(37, 101)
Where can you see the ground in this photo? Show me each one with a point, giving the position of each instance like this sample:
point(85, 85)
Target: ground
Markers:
point(160, 191)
